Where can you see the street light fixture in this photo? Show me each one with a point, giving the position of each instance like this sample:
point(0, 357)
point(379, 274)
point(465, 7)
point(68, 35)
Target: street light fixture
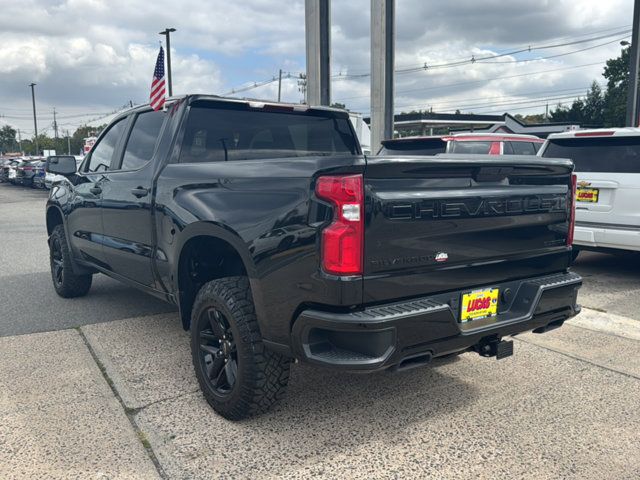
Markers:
point(167, 33)
point(625, 43)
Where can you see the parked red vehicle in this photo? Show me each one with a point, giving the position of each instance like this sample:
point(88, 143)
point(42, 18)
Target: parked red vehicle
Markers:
point(493, 143)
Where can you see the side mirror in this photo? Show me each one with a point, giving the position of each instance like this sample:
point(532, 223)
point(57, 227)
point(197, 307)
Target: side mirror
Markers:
point(64, 166)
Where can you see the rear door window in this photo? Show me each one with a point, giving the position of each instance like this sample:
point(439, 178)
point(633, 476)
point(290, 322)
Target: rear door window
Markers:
point(598, 154)
point(142, 140)
point(217, 132)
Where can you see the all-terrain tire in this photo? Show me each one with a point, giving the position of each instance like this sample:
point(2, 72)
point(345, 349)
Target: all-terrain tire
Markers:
point(261, 375)
point(66, 283)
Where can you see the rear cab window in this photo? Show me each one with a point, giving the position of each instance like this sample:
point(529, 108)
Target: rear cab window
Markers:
point(523, 148)
point(598, 154)
point(223, 131)
point(475, 147)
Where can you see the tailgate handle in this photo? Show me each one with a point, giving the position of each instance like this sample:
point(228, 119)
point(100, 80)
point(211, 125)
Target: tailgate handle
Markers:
point(492, 174)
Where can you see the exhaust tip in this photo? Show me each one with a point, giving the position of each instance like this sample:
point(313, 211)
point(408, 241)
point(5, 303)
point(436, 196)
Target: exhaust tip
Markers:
point(408, 363)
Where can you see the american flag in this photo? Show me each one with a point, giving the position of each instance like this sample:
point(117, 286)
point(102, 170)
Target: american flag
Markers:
point(158, 84)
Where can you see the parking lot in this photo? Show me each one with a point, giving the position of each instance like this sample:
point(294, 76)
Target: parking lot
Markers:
point(103, 387)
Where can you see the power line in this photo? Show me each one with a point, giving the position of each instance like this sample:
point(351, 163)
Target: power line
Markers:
point(470, 61)
point(475, 82)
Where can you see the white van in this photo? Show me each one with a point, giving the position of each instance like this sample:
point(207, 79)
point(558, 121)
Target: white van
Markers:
point(607, 166)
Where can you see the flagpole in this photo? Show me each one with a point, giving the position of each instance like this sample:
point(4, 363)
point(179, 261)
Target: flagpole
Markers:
point(167, 33)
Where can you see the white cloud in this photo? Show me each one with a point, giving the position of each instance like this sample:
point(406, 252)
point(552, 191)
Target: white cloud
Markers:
point(95, 55)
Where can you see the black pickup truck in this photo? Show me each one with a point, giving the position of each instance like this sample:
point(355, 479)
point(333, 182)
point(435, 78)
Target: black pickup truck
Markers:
point(278, 240)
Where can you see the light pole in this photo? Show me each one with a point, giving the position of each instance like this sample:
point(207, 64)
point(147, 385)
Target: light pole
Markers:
point(634, 64)
point(35, 122)
point(167, 33)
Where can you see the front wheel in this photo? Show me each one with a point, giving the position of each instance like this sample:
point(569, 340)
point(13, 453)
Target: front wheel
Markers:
point(66, 283)
point(238, 376)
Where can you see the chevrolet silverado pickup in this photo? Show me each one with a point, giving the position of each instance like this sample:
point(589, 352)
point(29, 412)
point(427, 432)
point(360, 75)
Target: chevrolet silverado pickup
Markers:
point(278, 240)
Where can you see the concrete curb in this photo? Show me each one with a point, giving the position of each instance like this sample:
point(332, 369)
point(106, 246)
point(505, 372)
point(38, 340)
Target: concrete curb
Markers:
point(608, 323)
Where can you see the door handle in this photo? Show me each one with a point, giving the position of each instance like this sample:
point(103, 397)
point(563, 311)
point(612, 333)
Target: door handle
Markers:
point(140, 192)
point(96, 190)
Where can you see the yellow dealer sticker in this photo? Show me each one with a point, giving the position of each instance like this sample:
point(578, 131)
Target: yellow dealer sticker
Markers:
point(587, 195)
point(479, 304)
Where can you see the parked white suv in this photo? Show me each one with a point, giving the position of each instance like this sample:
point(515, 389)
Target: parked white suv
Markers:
point(607, 166)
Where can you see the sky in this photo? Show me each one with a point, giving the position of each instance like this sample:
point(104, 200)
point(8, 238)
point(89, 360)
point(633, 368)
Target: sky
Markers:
point(90, 58)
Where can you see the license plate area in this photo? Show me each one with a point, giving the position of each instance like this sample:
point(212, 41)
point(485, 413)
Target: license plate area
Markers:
point(479, 304)
point(587, 195)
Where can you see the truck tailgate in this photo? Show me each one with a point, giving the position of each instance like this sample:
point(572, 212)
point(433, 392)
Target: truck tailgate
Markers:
point(434, 224)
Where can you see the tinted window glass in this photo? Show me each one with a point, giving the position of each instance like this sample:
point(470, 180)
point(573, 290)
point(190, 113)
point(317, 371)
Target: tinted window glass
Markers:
point(103, 151)
point(523, 148)
point(470, 147)
point(142, 141)
point(613, 154)
point(66, 162)
point(236, 132)
point(429, 146)
point(507, 149)
point(537, 146)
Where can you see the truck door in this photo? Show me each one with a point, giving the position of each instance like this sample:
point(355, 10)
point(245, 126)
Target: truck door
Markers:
point(126, 202)
point(84, 219)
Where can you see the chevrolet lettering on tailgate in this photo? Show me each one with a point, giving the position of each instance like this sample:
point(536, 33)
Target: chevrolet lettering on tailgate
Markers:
point(474, 207)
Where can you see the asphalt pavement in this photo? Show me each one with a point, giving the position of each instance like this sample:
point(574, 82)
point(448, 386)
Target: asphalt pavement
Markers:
point(116, 397)
point(28, 302)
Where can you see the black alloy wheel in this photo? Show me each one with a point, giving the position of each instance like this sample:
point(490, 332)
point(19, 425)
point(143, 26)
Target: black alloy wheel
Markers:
point(57, 263)
point(218, 353)
point(66, 282)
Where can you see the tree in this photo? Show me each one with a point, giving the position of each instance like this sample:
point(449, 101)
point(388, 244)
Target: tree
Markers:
point(594, 105)
point(8, 139)
point(338, 105)
point(616, 72)
point(528, 119)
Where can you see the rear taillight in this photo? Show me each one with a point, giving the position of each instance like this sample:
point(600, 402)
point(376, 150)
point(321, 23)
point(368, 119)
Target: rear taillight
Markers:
point(494, 149)
point(342, 242)
point(572, 212)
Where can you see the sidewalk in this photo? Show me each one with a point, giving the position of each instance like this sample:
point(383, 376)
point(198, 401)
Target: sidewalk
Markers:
point(564, 406)
point(58, 416)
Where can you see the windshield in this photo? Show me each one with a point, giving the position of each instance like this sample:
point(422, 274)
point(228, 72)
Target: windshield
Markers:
point(598, 154)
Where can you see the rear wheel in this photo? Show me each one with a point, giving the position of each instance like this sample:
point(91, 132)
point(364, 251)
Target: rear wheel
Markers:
point(66, 283)
point(238, 376)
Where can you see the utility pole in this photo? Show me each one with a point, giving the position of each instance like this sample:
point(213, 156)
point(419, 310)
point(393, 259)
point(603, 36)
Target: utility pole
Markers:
point(546, 112)
point(35, 122)
point(68, 143)
point(318, 51)
point(279, 84)
point(20, 140)
point(634, 63)
point(55, 129)
point(302, 86)
point(167, 33)
point(382, 65)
